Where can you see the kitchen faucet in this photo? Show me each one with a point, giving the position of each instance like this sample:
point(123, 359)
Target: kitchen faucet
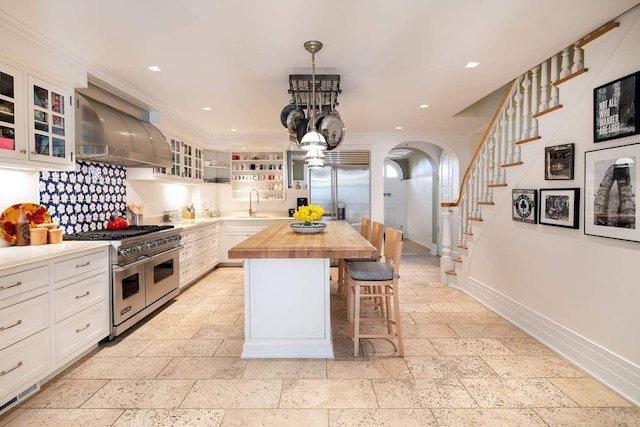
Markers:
point(252, 211)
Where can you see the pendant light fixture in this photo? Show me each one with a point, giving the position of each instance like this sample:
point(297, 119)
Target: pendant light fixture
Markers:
point(313, 140)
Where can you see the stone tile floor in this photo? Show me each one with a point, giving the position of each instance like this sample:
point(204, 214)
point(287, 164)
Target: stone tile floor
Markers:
point(464, 365)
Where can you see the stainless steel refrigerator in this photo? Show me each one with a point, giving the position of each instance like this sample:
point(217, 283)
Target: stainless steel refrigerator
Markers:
point(342, 187)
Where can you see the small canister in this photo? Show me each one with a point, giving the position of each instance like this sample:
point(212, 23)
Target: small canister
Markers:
point(55, 235)
point(39, 236)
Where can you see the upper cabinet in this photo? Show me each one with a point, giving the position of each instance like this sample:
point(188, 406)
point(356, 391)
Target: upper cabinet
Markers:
point(13, 137)
point(262, 171)
point(51, 123)
point(36, 121)
point(187, 164)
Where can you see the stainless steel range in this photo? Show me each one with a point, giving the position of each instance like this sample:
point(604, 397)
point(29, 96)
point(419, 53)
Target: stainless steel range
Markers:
point(145, 270)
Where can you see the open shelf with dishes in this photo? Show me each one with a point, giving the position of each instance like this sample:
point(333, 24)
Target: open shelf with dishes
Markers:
point(262, 171)
point(216, 167)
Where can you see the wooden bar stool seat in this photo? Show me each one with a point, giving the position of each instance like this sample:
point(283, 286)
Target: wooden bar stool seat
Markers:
point(377, 280)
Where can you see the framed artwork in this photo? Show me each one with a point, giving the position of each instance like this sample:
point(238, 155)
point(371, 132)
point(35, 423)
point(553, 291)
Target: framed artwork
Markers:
point(558, 162)
point(524, 206)
point(614, 107)
point(560, 207)
point(611, 182)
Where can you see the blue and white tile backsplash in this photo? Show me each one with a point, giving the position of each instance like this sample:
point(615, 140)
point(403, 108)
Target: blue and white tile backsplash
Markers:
point(86, 199)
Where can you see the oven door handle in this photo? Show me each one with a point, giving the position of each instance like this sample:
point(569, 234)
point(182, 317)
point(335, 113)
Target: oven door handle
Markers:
point(177, 248)
point(143, 259)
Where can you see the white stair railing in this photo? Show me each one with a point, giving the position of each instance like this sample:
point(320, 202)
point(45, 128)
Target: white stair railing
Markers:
point(515, 122)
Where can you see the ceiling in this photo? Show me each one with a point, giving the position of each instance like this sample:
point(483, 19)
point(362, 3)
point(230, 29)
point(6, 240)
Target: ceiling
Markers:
point(235, 56)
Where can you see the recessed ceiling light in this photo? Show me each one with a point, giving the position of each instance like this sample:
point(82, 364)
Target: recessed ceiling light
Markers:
point(154, 68)
point(398, 127)
point(424, 105)
point(472, 64)
point(234, 130)
point(206, 108)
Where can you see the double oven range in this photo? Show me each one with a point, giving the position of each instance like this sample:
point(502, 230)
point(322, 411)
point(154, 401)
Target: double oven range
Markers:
point(145, 270)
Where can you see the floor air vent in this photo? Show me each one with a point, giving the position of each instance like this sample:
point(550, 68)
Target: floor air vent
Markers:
point(19, 398)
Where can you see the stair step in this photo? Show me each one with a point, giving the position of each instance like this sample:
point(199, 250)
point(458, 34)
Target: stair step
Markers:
point(524, 141)
point(570, 76)
point(496, 185)
point(451, 273)
point(468, 233)
point(473, 218)
point(457, 259)
point(463, 247)
point(486, 203)
point(548, 110)
point(508, 165)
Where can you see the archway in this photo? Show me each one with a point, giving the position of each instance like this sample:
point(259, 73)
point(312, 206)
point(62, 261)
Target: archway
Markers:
point(416, 196)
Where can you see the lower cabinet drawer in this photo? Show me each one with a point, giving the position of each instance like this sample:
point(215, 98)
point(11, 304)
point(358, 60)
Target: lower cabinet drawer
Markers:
point(81, 264)
point(186, 252)
point(186, 272)
point(15, 284)
point(24, 362)
point(78, 296)
point(88, 326)
point(21, 320)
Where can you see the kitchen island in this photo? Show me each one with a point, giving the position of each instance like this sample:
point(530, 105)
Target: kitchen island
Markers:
point(287, 285)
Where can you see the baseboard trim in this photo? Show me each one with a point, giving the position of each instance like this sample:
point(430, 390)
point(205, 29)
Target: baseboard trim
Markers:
point(617, 373)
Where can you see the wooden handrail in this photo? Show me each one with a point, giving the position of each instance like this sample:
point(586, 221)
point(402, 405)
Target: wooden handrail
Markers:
point(597, 33)
point(482, 142)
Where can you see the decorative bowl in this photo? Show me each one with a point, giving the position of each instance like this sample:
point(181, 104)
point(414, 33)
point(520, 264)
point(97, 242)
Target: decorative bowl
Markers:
point(315, 227)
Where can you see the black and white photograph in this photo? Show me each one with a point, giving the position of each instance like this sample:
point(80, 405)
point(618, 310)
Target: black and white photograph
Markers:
point(558, 162)
point(560, 207)
point(614, 108)
point(524, 206)
point(611, 181)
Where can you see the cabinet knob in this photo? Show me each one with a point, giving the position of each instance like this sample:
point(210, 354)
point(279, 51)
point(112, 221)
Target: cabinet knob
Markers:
point(23, 151)
point(33, 153)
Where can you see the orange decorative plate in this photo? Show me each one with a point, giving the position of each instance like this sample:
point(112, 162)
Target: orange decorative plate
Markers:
point(36, 214)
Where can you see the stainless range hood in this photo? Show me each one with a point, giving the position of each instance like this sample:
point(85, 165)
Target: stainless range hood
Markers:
point(107, 135)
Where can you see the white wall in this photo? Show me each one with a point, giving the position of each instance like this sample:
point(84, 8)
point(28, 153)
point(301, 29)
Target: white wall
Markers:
point(20, 186)
point(587, 287)
point(419, 196)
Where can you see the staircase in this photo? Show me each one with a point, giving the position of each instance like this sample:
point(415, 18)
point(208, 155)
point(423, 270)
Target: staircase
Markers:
point(515, 123)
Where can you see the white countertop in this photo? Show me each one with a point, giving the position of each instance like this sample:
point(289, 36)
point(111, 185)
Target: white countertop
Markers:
point(16, 256)
point(187, 223)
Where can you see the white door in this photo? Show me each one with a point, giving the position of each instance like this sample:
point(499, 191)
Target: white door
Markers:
point(448, 179)
point(392, 195)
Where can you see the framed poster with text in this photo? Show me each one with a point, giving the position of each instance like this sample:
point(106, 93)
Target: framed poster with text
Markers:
point(614, 108)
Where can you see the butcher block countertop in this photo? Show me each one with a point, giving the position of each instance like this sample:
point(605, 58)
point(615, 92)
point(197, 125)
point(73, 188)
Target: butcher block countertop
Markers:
point(338, 240)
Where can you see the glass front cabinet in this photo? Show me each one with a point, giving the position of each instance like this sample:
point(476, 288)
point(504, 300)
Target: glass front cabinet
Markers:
point(51, 124)
point(13, 140)
point(187, 161)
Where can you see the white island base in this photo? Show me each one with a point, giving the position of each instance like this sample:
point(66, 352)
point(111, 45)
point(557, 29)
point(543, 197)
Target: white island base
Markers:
point(287, 308)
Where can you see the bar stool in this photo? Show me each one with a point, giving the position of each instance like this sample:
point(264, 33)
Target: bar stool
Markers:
point(378, 280)
point(365, 231)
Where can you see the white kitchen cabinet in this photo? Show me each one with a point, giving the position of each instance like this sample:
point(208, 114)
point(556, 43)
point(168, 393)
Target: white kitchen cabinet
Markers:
point(51, 313)
point(186, 167)
point(236, 231)
point(13, 135)
point(37, 124)
point(81, 301)
point(51, 123)
point(263, 171)
point(25, 330)
point(200, 252)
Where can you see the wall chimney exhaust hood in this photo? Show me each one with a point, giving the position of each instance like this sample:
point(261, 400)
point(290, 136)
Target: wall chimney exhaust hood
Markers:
point(107, 135)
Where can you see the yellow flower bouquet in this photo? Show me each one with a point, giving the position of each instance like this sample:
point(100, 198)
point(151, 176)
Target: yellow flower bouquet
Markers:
point(309, 213)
